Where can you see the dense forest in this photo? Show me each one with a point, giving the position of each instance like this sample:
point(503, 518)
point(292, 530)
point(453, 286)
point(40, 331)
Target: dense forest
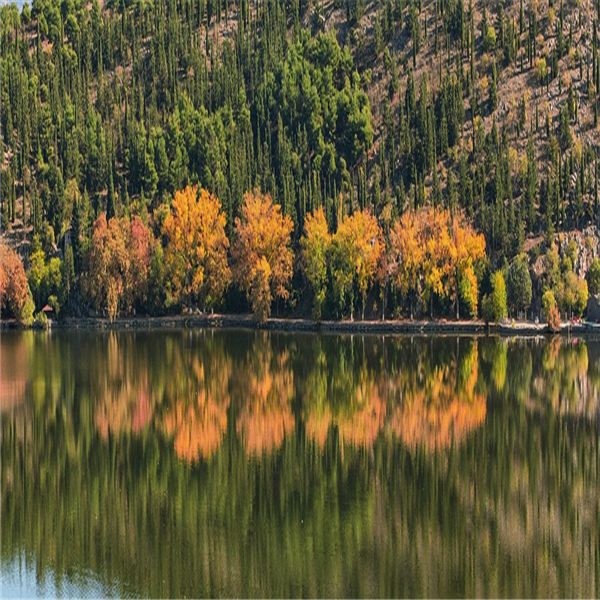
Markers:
point(403, 157)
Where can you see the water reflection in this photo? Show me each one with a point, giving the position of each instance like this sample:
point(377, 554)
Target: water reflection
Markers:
point(265, 386)
point(439, 404)
point(345, 390)
point(194, 404)
point(254, 464)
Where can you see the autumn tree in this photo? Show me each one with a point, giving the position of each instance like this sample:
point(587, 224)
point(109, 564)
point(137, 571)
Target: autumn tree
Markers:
point(196, 247)
point(315, 248)
point(406, 257)
point(467, 247)
point(118, 262)
point(438, 259)
point(262, 254)
point(551, 310)
point(593, 277)
point(573, 294)
point(141, 248)
point(432, 253)
point(14, 289)
point(356, 251)
point(107, 264)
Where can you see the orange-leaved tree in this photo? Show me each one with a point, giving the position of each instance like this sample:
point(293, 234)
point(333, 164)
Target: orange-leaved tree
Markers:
point(435, 237)
point(356, 252)
point(196, 247)
point(315, 248)
point(140, 247)
point(118, 260)
point(434, 253)
point(406, 257)
point(262, 254)
point(14, 289)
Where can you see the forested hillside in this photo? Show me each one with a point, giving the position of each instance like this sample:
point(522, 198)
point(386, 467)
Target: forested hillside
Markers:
point(484, 111)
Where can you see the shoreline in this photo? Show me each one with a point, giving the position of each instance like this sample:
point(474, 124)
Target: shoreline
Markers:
point(219, 321)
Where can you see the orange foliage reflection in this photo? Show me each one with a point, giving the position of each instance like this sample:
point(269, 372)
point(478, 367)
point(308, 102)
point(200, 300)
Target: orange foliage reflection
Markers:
point(317, 425)
point(266, 416)
point(125, 401)
point(198, 419)
point(198, 426)
point(441, 408)
point(362, 424)
point(346, 395)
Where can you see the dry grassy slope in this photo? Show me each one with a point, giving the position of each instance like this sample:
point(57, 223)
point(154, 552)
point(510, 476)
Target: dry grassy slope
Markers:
point(513, 83)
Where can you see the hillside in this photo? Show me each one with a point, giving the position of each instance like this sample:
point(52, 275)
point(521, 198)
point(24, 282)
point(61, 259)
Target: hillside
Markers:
point(486, 107)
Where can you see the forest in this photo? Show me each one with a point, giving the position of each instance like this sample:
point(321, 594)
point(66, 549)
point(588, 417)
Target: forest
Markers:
point(390, 159)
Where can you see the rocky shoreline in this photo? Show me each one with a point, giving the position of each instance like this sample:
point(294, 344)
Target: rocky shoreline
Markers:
point(308, 325)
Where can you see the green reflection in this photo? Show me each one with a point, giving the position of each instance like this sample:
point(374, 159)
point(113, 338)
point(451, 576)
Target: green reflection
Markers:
point(240, 463)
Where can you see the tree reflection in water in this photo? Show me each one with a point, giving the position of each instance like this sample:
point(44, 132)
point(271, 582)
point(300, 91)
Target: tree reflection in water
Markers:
point(438, 404)
point(265, 383)
point(253, 464)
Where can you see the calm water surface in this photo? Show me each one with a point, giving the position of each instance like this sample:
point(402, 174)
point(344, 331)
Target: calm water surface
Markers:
point(237, 463)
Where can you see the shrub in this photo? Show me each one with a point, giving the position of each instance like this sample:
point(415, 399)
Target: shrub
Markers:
point(40, 321)
point(551, 310)
point(54, 303)
point(25, 316)
point(489, 38)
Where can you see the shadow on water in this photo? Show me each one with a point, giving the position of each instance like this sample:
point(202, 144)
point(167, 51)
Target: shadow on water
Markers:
point(238, 463)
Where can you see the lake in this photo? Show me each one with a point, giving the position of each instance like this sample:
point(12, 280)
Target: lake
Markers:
point(246, 463)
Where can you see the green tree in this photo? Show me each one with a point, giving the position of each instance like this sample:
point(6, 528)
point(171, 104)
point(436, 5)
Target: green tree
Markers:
point(494, 304)
point(519, 287)
point(593, 277)
point(68, 276)
point(315, 249)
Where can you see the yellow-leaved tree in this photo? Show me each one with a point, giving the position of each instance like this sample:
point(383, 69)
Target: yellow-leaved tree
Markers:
point(315, 248)
point(467, 248)
point(433, 253)
point(437, 242)
point(406, 257)
point(262, 255)
point(356, 252)
point(196, 247)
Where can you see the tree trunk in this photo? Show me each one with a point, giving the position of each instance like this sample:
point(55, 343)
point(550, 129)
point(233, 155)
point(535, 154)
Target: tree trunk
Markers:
point(364, 301)
point(457, 301)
